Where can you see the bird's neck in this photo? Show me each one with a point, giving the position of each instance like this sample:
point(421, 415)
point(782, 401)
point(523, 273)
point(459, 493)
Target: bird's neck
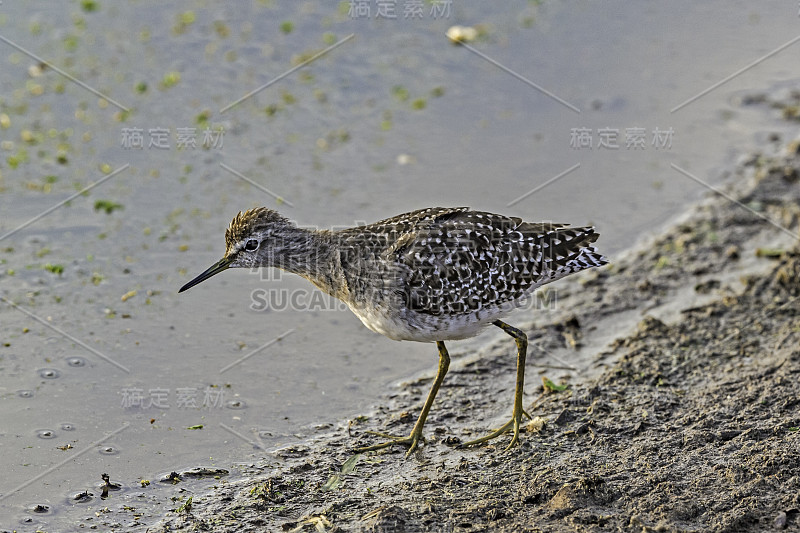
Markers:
point(307, 253)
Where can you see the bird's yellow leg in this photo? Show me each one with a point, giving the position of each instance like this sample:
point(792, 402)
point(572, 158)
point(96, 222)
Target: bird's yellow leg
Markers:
point(416, 434)
point(516, 416)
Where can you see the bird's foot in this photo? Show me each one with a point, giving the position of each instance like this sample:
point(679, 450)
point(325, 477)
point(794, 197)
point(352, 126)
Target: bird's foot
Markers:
point(514, 423)
point(411, 441)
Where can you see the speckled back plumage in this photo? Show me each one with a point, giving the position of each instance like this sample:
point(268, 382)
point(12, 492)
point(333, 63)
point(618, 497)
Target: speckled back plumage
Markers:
point(440, 264)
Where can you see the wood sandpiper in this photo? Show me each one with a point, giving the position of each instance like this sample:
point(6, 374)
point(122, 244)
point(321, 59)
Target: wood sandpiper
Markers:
point(430, 275)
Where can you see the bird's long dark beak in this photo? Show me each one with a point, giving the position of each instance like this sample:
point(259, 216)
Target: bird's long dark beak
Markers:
point(218, 267)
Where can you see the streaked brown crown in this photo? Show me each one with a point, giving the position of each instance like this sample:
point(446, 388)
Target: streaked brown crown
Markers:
point(250, 223)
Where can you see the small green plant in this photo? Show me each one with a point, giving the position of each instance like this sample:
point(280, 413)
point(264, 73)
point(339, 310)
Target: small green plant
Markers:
point(170, 79)
point(549, 386)
point(55, 269)
point(400, 92)
point(89, 6)
point(107, 205)
point(185, 507)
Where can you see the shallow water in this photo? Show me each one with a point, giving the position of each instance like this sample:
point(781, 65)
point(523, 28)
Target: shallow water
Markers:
point(393, 119)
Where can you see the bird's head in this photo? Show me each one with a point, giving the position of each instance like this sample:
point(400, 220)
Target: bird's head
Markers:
point(253, 239)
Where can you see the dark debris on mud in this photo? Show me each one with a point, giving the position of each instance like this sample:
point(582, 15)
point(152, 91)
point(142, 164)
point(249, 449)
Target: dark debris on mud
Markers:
point(692, 422)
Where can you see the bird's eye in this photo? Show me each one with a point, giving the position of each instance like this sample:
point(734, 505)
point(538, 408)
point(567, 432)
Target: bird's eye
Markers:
point(251, 245)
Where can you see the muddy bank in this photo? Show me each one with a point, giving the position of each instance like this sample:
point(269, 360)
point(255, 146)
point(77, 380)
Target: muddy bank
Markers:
point(691, 422)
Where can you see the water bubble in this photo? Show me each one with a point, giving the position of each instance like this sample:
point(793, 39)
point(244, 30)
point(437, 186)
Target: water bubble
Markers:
point(45, 433)
point(76, 361)
point(235, 404)
point(67, 427)
point(49, 373)
point(25, 393)
point(109, 450)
